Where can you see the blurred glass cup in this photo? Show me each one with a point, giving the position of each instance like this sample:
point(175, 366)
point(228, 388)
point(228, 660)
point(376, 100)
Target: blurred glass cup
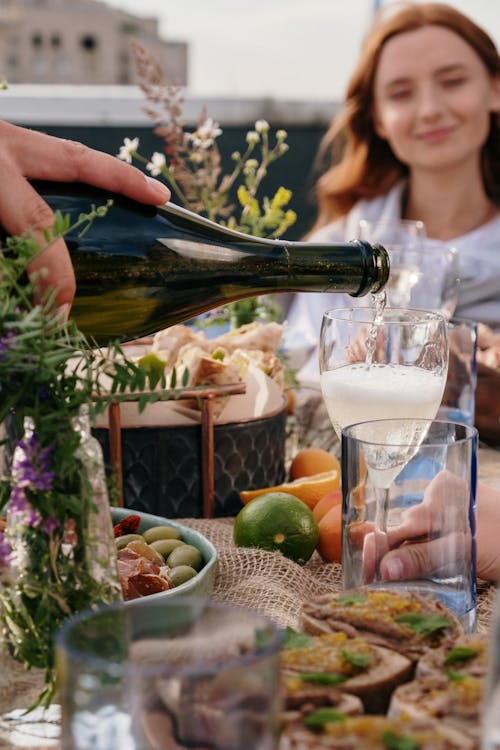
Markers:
point(458, 404)
point(425, 277)
point(169, 674)
point(424, 273)
point(390, 232)
point(409, 490)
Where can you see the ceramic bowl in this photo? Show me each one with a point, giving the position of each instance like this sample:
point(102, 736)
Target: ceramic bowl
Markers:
point(201, 585)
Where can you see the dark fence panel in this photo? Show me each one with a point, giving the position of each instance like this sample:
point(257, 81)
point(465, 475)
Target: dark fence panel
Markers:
point(294, 170)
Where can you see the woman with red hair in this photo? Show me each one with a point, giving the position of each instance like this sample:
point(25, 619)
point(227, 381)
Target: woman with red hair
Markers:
point(419, 139)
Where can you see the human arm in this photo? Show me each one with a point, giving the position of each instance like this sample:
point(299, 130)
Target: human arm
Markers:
point(28, 155)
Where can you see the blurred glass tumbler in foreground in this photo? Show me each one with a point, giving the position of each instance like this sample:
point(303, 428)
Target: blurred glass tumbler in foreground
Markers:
point(141, 268)
point(187, 673)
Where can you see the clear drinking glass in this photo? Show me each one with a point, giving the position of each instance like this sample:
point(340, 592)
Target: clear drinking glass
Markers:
point(392, 232)
point(169, 674)
point(459, 399)
point(424, 273)
point(376, 367)
point(425, 277)
point(409, 490)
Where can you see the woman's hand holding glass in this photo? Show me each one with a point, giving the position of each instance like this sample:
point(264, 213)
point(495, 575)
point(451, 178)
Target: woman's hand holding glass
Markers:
point(429, 537)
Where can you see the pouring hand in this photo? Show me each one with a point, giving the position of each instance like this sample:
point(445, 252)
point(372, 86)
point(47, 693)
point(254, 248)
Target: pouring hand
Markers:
point(26, 155)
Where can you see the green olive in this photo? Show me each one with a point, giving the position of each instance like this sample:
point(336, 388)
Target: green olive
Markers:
point(166, 546)
point(161, 532)
point(185, 555)
point(181, 574)
point(122, 541)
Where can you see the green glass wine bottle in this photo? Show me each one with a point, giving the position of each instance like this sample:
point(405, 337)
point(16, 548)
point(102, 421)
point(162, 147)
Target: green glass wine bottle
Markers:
point(142, 268)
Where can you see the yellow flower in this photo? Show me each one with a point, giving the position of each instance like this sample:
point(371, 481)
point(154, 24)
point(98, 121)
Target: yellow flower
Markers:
point(243, 195)
point(281, 198)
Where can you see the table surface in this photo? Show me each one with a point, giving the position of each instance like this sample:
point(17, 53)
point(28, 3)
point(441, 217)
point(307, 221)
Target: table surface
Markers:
point(240, 574)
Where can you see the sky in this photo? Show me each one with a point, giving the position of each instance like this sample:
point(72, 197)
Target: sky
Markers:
point(284, 49)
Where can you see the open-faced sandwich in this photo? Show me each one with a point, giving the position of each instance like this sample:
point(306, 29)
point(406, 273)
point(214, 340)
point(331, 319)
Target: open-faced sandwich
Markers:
point(225, 360)
point(454, 699)
point(335, 660)
point(468, 655)
point(330, 729)
point(403, 621)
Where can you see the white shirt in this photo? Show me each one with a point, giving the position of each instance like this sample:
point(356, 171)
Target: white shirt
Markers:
point(478, 294)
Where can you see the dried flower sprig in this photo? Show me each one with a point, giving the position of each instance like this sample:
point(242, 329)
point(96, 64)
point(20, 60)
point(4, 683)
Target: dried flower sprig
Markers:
point(192, 167)
point(192, 162)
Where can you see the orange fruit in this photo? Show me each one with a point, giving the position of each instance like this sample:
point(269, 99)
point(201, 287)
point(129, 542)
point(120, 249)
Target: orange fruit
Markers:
point(278, 522)
point(328, 501)
point(311, 461)
point(357, 531)
point(308, 489)
point(290, 400)
point(330, 535)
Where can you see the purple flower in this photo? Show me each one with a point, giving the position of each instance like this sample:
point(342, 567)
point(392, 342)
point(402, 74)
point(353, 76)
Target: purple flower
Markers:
point(18, 501)
point(32, 465)
point(23, 511)
point(33, 517)
point(50, 524)
point(5, 550)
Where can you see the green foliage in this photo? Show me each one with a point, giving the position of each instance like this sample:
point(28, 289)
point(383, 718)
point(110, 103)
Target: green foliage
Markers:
point(48, 371)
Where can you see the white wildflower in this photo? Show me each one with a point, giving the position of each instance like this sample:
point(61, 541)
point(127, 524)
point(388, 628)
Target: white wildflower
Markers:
point(250, 167)
point(156, 164)
point(253, 136)
point(128, 149)
point(206, 134)
point(196, 142)
point(262, 126)
point(281, 135)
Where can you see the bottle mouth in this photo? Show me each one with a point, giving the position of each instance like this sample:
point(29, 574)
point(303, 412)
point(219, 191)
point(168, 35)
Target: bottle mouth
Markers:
point(383, 266)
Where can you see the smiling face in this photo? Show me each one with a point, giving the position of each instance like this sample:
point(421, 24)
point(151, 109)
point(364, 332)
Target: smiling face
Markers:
point(432, 99)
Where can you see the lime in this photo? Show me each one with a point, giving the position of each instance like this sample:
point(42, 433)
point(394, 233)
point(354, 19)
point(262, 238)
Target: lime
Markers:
point(278, 521)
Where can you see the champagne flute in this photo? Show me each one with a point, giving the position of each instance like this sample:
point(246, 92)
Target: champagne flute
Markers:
point(377, 367)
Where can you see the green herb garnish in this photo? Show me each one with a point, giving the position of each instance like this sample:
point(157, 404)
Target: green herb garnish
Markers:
point(294, 639)
point(399, 741)
point(456, 676)
point(423, 624)
point(349, 599)
point(357, 660)
point(323, 716)
point(460, 653)
point(323, 678)
point(218, 354)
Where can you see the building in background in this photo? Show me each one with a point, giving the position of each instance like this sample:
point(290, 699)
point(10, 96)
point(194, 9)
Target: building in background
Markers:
point(80, 42)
